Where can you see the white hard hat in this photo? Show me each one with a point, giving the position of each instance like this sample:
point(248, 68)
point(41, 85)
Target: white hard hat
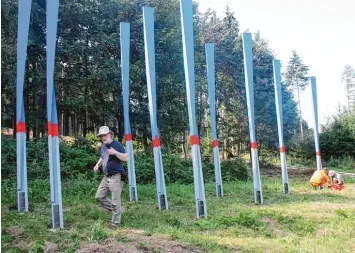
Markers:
point(331, 173)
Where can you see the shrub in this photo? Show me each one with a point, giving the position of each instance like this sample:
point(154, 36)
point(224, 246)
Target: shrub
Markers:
point(79, 156)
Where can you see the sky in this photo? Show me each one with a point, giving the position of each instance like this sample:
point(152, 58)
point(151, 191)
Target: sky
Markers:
point(322, 32)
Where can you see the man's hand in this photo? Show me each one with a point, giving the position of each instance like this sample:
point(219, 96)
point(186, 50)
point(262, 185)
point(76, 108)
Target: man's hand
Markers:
point(98, 164)
point(111, 151)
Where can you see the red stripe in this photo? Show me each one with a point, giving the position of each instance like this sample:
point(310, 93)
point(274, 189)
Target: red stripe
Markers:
point(128, 137)
point(254, 145)
point(283, 149)
point(52, 129)
point(21, 127)
point(156, 142)
point(194, 140)
point(215, 143)
point(318, 153)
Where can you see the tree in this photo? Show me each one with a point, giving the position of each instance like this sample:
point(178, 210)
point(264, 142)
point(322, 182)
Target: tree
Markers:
point(297, 80)
point(88, 82)
point(348, 78)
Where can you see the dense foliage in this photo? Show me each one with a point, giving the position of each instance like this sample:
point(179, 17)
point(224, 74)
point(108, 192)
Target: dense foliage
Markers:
point(337, 140)
point(80, 156)
point(88, 83)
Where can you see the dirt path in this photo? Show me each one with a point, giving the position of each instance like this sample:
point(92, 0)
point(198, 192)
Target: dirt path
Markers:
point(275, 171)
point(137, 241)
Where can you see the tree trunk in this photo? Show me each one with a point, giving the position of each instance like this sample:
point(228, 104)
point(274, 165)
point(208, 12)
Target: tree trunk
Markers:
point(27, 102)
point(35, 103)
point(66, 122)
point(145, 135)
point(300, 112)
point(85, 123)
point(238, 148)
point(184, 145)
point(14, 126)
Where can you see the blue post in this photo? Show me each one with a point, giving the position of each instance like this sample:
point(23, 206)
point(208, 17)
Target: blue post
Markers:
point(278, 101)
point(188, 48)
point(316, 124)
point(125, 42)
point(249, 87)
point(211, 81)
point(53, 140)
point(148, 24)
point(24, 13)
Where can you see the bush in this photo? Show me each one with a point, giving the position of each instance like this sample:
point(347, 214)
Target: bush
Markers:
point(337, 140)
point(338, 137)
point(179, 170)
point(79, 156)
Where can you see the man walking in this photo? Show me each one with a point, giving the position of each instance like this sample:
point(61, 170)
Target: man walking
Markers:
point(112, 156)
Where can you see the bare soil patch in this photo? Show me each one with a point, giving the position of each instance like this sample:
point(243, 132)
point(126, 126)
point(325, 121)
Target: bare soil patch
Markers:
point(51, 248)
point(20, 240)
point(138, 242)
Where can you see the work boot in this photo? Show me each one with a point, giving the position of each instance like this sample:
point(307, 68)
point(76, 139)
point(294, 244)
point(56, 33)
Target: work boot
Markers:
point(115, 226)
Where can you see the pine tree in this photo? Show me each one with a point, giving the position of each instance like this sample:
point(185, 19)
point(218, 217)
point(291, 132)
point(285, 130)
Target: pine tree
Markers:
point(297, 80)
point(348, 78)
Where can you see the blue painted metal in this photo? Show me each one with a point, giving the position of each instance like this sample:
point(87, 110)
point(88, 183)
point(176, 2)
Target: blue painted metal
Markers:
point(249, 87)
point(188, 49)
point(278, 101)
point(125, 47)
point(53, 141)
point(148, 25)
point(316, 124)
point(211, 81)
point(24, 13)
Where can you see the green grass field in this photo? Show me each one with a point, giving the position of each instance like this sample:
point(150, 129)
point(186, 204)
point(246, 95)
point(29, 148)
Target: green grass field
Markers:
point(306, 221)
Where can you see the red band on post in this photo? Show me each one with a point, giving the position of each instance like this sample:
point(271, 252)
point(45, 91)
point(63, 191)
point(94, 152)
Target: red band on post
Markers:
point(318, 153)
point(156, 142)
point(215, 143)
point(194, 140)
point(21, 127)
point(283, 149)
point(53, 129)
point(128, 137)
point(254, 145)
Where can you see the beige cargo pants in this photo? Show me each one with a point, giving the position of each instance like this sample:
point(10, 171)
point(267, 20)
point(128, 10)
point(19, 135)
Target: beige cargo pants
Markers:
point(114, 185)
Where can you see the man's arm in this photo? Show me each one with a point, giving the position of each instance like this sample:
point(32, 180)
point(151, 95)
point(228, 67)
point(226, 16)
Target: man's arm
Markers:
point(98, 164)
point(122, 156)
point(119, 152)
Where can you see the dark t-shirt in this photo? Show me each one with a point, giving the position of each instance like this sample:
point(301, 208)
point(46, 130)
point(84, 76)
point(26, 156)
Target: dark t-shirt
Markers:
point(111, 164)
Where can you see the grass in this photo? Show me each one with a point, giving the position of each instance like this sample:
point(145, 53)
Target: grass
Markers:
point(305, 221)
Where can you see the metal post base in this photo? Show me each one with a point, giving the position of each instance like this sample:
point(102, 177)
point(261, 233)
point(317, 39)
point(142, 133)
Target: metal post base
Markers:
point(201, 209)
point(22, 202)
point(56, 216)
point(162, 202)
point(258, 197)
point(219, 191)
point(286, 190)
point(133, 194)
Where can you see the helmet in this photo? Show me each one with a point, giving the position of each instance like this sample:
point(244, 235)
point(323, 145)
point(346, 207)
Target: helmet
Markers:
point(331, 173)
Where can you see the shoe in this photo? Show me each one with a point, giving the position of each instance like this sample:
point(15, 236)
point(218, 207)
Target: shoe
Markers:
point(114, 226)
